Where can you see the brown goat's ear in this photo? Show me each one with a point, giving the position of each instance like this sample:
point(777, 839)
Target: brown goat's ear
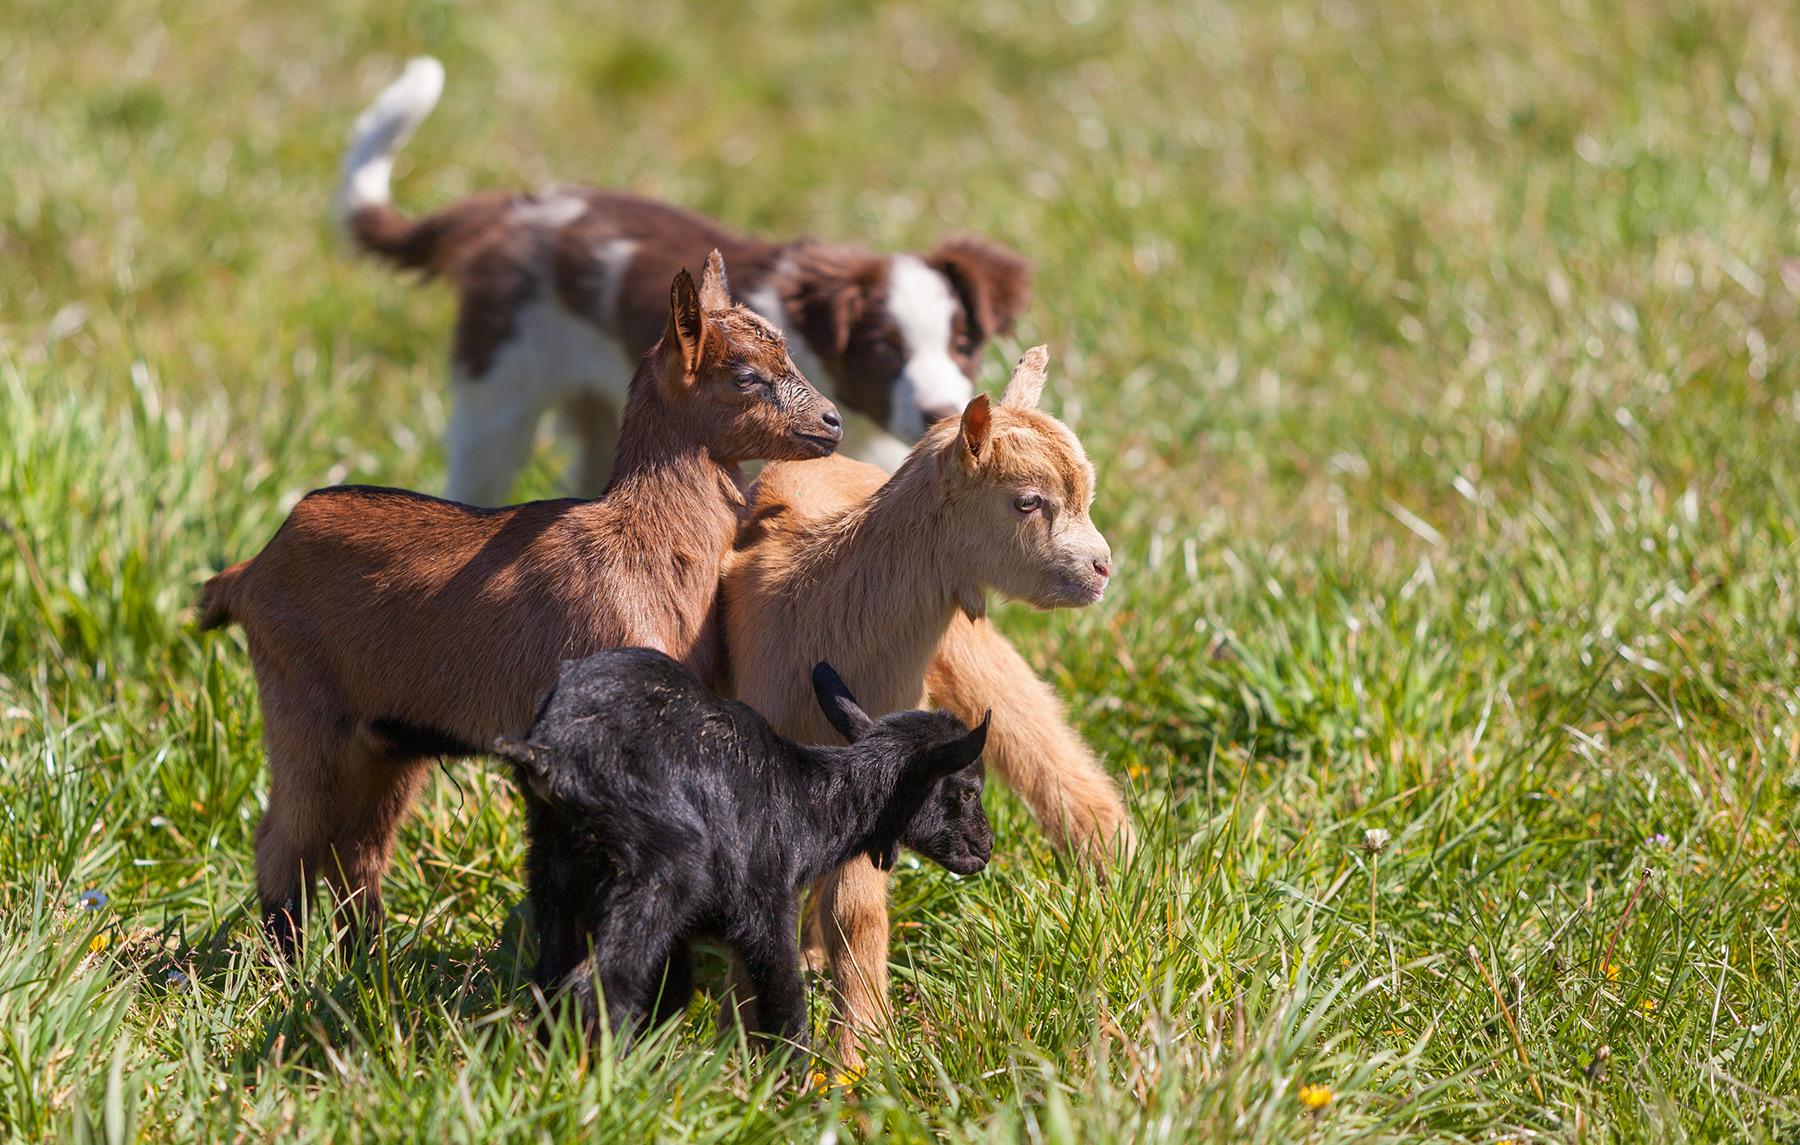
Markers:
point(977, 425)
point(992, 283)
point(687, 324)
point(715, 292)
point(1027, 383)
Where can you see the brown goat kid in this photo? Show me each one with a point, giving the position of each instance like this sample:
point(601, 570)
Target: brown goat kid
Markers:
point(833, 564)
point(387, 627)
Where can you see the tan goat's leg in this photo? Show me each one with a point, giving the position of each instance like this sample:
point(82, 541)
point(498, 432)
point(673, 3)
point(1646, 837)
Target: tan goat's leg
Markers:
point(1031, 745)
point(852, 906)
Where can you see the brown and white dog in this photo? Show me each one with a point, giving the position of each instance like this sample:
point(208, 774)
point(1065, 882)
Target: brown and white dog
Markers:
point(562, 292)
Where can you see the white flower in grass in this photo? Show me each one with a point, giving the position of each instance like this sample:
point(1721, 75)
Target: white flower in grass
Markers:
point(1375, 840)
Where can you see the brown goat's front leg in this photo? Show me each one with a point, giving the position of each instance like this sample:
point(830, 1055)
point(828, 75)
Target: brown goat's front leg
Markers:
point(852, 905)
point(1031, 744)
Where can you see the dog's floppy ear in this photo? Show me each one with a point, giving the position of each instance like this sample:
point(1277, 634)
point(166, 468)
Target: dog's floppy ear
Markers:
point(1027, 383)
point(686, 334)
point(839, 706)
point(831, 299)
point(715, 292)
point(992, 282)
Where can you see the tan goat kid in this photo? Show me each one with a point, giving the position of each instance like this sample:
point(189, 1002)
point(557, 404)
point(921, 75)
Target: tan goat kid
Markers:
point(835, 565)
point(387, 627)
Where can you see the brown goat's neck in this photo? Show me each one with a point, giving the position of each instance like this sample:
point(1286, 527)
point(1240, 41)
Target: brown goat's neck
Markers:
point(893, 567)
point(673, 501)
point(655, 437)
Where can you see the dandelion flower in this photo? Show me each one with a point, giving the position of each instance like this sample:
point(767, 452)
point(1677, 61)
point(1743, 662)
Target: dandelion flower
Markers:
point(1315, 1097)
point(1611, 970)
point(92, 899)
point(99, 942)
point(1648, 1005)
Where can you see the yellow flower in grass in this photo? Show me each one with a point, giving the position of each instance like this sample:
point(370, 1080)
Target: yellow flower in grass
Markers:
point(821, 1082)
point(99, 942)
point(1611, 970)
point(1648, 1006)
point(1314, 1098)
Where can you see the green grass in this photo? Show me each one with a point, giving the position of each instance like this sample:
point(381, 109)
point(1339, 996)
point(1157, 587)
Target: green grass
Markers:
point(1440, 366)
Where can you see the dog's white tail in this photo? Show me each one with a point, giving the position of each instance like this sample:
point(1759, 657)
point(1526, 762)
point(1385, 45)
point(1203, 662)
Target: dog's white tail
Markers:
point(379, 132)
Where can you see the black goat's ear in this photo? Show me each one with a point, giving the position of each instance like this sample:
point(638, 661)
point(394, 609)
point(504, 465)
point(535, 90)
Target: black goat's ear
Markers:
point(884, 858)
point(532, 762)
point(958, 753)
point(520, 751)
point(838, 704)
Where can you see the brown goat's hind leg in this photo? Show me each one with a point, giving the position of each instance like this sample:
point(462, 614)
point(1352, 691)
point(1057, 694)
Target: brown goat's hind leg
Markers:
point(291, 842)
point(853, 914)
point(363, 844)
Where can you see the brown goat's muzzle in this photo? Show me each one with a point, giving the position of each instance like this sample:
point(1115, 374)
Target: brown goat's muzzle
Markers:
point(821, 434)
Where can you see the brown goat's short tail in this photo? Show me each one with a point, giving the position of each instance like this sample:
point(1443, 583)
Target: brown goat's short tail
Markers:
point(217, 596)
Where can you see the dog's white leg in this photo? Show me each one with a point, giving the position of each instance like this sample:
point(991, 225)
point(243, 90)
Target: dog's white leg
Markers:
point(492, 430)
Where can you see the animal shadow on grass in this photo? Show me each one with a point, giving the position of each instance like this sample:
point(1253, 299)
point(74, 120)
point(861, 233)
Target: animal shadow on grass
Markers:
point(335, 998)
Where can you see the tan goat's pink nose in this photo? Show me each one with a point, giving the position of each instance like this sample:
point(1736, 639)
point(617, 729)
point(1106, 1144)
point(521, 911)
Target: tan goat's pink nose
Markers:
point(1103, 567)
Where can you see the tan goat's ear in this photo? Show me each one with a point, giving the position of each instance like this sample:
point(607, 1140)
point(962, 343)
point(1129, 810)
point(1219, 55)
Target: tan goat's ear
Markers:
point(715, 292)
point(977, 424)
point(687, 324)
point(1027, 383)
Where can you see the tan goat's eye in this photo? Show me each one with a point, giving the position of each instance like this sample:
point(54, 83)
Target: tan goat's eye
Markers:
point(1028, 503)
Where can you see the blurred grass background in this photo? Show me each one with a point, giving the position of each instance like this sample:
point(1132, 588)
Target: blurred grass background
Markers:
point(1438, 362)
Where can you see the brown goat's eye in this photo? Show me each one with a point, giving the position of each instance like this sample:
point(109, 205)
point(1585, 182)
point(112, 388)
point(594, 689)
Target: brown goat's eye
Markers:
point(748, 382)
point(1028, 503)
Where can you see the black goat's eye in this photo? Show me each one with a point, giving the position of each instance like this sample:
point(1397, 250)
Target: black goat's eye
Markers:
point(1028, 503)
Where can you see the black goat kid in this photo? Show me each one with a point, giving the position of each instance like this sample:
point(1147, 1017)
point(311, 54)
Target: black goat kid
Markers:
point(658, 812)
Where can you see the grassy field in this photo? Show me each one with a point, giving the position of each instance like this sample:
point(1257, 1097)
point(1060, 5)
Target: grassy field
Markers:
point(1439, 362)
